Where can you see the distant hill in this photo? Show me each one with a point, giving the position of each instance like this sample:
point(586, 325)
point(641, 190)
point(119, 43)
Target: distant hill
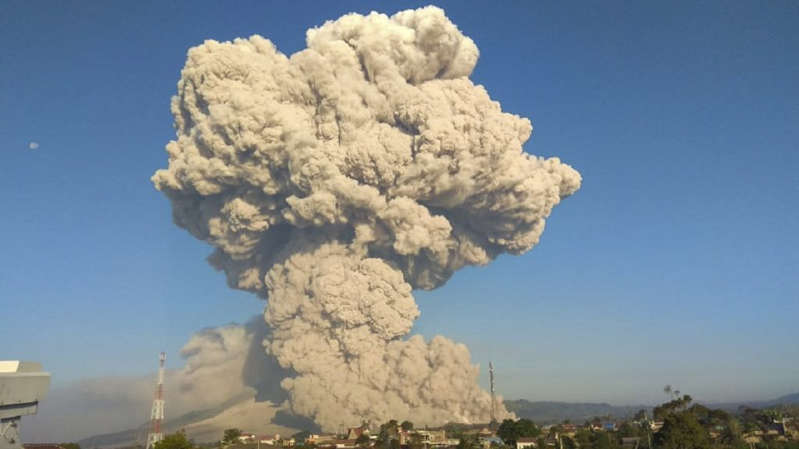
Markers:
point(548, 412)
point(788, 399)
point(138, 435)
point(205, 425)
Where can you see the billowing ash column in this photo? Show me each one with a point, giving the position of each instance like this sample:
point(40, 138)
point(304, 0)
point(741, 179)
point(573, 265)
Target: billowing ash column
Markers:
point(336, 181)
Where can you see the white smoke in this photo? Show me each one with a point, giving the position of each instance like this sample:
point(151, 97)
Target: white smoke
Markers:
point(336, 181)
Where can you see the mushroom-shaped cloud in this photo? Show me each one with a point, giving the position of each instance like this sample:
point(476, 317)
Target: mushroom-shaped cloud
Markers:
point(335, 181)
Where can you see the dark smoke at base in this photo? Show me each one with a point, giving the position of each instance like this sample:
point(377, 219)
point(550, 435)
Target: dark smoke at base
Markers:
point(334, 182)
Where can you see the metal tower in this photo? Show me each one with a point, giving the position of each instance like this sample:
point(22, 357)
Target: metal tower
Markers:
point(157, 413)
point(493, 398)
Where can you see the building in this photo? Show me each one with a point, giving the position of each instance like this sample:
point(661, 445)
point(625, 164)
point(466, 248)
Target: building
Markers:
point(526, 442)
point(246, 438)
point(487, 441)
point(338, 444)
point(354, 432)
point(269, 440)
point(321, 439)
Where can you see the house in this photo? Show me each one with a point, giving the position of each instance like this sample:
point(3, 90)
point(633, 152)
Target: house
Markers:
point(270, 440)
point(338, 444)
point(321, 439)
point(247, 438)
point(656, 426)
point(434, 438)
point(354, 432)
point(487, 441)
point(526, 442)
point(568, 429)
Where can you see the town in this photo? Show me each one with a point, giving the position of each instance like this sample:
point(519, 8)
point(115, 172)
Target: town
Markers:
point(676, 424)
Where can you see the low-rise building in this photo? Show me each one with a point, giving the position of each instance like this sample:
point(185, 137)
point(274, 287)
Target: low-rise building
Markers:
point(354, 432)
point(246, 437)
point(270, 440)
point(526, 442)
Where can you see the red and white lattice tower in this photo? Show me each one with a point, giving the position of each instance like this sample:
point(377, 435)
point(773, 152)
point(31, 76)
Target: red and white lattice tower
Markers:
point(157, 413)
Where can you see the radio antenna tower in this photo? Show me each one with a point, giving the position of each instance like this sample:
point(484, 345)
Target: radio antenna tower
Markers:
point(493, 398)
point(157, 413)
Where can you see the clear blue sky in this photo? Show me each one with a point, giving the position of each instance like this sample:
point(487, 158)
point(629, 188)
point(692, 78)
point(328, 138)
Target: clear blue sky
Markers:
point(676, 262)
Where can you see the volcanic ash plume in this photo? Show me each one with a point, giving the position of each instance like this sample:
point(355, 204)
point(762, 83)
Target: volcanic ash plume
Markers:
point(335, 181)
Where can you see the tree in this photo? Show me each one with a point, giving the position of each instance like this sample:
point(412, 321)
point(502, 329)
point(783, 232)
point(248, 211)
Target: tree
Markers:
point(468, 442)
point(511, 430)
point(174, 441)
point(675, 405)
point(600, 440)
point(231, 436)
point(362, 440)
point(301, 436)
point(388, 433)
point(627, 430)
point(568, 443)
point(541, 443)
point(682, 431)
point(583, 438)
point(406, 425)
point(507, 431)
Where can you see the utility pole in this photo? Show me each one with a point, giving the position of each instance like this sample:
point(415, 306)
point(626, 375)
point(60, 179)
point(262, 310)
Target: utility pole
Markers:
point(157, 413)
point(493, 397)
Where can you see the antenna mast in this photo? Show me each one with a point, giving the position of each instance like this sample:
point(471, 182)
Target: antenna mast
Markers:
point(493, 398)
point(157, 413)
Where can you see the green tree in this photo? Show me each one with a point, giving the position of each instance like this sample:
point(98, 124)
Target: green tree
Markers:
point(600, 440)
point(406, 425)
point(301, 436)
point(174, 441)
point(507, 431)
point(675, 405)
point(511, 430)
point(568, 443)
point(627, 430)
point(682, 431)
point(395, 444)
point(388, 433)
point(469, 442)
point(731, 435)
point(231, 436)
point(583, 438)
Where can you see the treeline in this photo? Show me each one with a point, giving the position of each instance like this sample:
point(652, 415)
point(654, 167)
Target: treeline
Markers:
point(676, 424)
